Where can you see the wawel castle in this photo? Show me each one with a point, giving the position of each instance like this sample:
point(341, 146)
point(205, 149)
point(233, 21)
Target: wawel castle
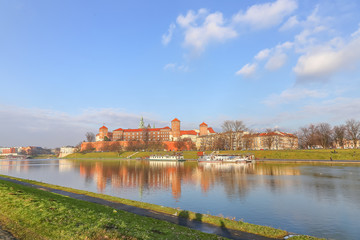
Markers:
point(204, 138)
point(164, 134)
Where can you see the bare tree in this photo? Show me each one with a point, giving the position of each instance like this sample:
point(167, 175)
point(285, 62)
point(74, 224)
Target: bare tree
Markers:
point(90, 137)
point(227, 128)
point(248, 141)
point(234, 131)
point(220, 142)
point(339, 135)
point(238, 128)
point(146, 136)
point(292, 141)
point(324, 134)
point(353, 130)
point(180, 144)
point(308, 136)
point(269, 138)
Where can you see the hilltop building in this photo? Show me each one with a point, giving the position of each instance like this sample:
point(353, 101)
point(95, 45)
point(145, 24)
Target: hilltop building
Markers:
point(154, 134)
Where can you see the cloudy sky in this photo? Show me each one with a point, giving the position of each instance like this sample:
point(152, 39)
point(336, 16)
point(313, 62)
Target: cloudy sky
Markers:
point(67, 67)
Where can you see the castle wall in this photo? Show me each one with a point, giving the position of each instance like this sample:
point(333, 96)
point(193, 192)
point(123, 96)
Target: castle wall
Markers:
point(100, 146)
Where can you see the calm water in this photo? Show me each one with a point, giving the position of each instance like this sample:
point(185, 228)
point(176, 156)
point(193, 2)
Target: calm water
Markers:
point(319, 200)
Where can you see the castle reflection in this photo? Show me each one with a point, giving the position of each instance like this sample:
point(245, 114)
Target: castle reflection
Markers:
point(155, 175)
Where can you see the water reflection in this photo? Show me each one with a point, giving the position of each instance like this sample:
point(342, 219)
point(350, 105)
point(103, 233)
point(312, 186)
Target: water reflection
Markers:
point(302, 198)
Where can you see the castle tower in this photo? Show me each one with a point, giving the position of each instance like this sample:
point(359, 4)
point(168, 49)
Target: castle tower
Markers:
point(103, 131)
point(175, 128)
point(142, 124)
point(203, 129)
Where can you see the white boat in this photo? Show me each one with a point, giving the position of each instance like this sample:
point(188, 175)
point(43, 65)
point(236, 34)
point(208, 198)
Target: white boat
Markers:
point(166, 158)
point(226, 158)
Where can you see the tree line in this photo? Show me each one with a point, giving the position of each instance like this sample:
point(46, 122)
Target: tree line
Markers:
point(232, 137)
point(326, 136)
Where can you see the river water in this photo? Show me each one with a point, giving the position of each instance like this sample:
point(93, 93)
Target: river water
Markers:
point(321, 200)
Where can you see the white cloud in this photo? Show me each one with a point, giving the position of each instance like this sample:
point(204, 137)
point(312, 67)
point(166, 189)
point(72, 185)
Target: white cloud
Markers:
point(263, 54)
point(276, 62)
point(170, 66)
point(337, 109)
point(356, 33)
point(323, 61)
point(292, 95)
point(248, 70)
point(190, 18)
point(48, 128)
point(166, 38)
point(276, 55)
point(176, 67)
point(290, 23)
point(267, 14)
point(202, 29)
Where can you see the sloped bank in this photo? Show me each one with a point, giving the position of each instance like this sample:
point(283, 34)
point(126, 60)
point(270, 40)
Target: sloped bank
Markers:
point(227, 227)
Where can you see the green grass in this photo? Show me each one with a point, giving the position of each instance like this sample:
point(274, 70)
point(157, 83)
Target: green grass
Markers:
point(35, 214)
point(215, 220)
point(313, 154)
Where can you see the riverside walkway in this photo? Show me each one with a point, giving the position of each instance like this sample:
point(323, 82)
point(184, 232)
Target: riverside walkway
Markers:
point(4, 235)
point(197, 225)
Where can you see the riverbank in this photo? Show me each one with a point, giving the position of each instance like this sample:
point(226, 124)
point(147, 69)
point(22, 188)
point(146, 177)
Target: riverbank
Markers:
point(181, 214)
point(30, 213)
point(313, 154)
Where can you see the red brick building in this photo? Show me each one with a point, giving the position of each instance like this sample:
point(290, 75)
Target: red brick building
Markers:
point(153, 134)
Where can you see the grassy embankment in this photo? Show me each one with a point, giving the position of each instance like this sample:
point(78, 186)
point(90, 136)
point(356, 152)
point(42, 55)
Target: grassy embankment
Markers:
point(313, 154)
point(35, 214)
point(69, 217)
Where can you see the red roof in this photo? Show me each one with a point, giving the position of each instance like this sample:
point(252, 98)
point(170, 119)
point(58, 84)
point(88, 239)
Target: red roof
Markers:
point(119, 129)
point(175, 120)
point(189, 132)
point(103, 127)
point(203, 124)
point(143, 129)
point(211, 130)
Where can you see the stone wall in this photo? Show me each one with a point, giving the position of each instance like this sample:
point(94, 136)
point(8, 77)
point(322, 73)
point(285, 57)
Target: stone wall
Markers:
point(101, 146)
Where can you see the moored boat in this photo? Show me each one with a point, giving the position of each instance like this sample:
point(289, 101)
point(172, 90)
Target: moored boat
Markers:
point(176, 157)
point(226, 158)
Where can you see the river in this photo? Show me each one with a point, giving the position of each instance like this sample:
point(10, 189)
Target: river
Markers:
point(321, 200)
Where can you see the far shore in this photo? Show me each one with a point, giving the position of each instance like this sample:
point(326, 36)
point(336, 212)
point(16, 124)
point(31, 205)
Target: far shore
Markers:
point(313, 155)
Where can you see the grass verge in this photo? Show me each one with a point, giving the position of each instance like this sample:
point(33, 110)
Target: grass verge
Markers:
point(215, 220)
point(312, 154)
point(35, 214)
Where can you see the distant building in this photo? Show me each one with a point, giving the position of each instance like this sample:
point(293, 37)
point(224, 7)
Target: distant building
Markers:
point(153, 134)
point(64, 151)
point(247, 141)
point(270, 141)
point(8, 151)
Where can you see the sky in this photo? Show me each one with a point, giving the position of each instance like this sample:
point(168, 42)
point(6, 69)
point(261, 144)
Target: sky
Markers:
point(68, 67)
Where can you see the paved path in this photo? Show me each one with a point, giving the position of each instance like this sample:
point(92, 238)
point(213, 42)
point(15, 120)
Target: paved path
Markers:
point(4, 235)
point(197, 225)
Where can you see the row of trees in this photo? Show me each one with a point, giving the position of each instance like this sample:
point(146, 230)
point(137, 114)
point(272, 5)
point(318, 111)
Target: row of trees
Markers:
point(233, 137)
point(326, 136)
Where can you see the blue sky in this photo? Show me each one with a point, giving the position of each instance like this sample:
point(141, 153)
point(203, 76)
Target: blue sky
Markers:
point(67, 67)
